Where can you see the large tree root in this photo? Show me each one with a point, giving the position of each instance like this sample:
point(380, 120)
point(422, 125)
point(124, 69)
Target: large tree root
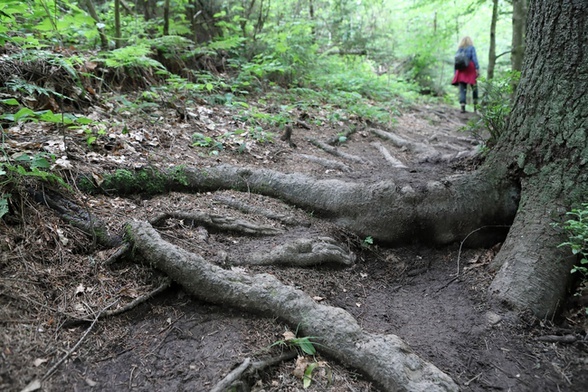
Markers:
point(436, 212)
point(383, 358)
point(217, 222)
point(249, 209)
point(302, 252)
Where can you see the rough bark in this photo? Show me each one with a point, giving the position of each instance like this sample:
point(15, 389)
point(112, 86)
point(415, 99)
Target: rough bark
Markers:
point(546, 145)
point(435, 212)
point(302, 252)
point(383, 358)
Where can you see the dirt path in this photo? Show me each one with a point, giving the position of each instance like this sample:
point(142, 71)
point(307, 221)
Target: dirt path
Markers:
point(52, 275)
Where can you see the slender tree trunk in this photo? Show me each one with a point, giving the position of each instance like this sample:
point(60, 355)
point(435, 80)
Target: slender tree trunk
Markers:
point(311, 16)
point(92, 11)
point(519, 19)
point(166, 18)
point(546, 146)
point(492, 50)
point(117, 33)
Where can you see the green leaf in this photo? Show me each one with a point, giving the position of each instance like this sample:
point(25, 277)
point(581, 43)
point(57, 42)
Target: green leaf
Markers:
point(23, 113)
point(306, 346)
point(23, 158)
point(4, 205)
point(307, 378)
point(10, 101)
point(40, 162)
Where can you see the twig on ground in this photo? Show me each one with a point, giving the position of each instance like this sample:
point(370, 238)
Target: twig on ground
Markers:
point(131, 305)
point(557, 339)
point(139, 300)
point(75, 347)
point(248, 368)
point(467, 236)
point(119, 254)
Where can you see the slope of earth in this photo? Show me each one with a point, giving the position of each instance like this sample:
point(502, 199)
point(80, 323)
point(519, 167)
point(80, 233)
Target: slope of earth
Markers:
point(55, 284)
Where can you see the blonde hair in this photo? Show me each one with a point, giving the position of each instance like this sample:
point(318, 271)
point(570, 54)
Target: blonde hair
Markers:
point(465, 42)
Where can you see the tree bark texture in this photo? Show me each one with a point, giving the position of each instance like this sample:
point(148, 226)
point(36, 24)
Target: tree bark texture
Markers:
point(435, 212)
point(546, 146)
point(383, 358)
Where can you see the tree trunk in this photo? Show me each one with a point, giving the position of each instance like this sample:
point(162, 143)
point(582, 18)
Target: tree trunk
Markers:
point(546, 145)
point(92, 11)
point(166, 17)
point(519, 19)
point(492, 50)
point(117, 33)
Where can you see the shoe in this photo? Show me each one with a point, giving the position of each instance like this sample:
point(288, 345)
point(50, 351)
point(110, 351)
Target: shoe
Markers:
point(463, 109)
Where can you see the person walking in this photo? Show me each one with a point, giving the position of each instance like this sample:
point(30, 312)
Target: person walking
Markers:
point(468, 75)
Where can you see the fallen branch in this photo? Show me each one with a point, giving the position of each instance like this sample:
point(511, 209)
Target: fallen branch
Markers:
point(557, 339)
point(385, 359)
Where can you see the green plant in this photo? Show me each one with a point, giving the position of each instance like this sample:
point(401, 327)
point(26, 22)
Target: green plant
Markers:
point(368, 241)
point(494, 107)
point(577, 231)
point(201, 140)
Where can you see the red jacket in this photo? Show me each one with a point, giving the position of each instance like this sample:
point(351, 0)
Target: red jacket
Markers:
point(467, 75)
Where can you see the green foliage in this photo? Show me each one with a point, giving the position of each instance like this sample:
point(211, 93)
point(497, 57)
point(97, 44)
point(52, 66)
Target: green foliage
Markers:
point(495, 106)
point(134, 56)
point(304, 344)
point(577, 231)
point(368, 241)
point(14, 172)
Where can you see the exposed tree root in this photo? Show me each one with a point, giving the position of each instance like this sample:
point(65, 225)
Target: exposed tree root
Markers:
point(424, 152)
point(241, 206)
point(327, 163)
point(302, 252)
point(394, 162)
point(334, 151)
point(217, 222)
point(79, 218)
point(383, 358)
point(418, 148)
point(436, 212)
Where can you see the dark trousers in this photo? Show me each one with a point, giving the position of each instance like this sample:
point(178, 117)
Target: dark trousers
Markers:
point(463, 88)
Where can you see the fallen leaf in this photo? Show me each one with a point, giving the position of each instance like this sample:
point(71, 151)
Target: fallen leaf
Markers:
point(32, 386)
point(39, 361)
point(301, 364)
point(80, 289)
point(288, 335)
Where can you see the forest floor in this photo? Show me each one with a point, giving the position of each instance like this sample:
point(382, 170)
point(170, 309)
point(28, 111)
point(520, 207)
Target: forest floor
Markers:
point(53, 280)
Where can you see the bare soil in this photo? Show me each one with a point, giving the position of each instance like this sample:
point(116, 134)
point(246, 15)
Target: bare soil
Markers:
point(53, 279)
